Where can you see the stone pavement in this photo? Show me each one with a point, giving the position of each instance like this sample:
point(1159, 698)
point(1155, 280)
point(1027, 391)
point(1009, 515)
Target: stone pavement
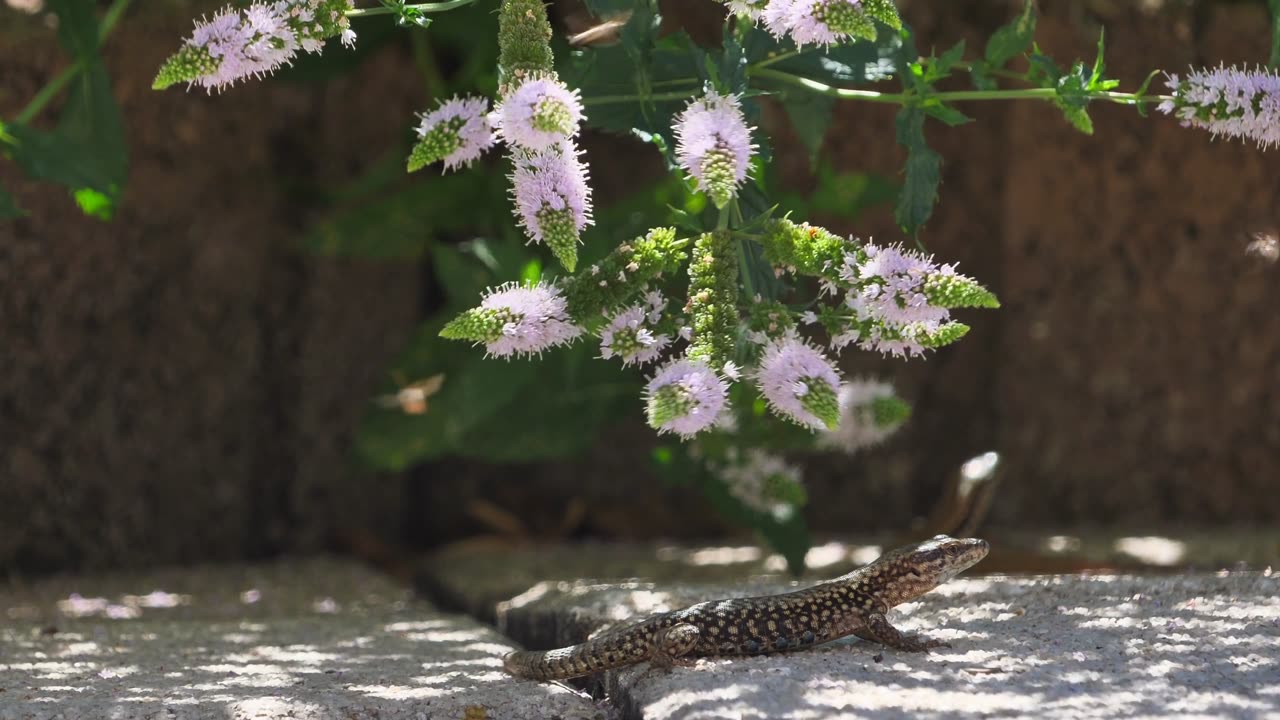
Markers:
point(328, 639)
point(312, 639)
point(1203, 646)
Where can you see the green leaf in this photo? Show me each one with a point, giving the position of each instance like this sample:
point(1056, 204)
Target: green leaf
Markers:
point(86, 152)
point(945, 113)
point(920, 189)
point(531, 273)
point(497, 410)
point(845, 194)
point(401, 224)
point(9, 207)
point(938, 68)
point(1274, 62)
point(1012, 39)
point(810, 115)
point(980, 75)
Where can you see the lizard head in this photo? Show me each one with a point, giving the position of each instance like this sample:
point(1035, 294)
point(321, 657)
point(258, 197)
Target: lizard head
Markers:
point(911, 571)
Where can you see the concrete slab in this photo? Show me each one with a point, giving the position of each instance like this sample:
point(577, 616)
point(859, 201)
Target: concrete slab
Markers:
point(308, 639)
point(475, 577)
point(1205, 646)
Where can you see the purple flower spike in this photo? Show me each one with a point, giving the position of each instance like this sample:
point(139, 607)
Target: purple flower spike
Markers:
point(685, 397)
point(553, 201)
point(457, 132)
point(1226, 101)
point(714, 145)
point(800, 383)
point(535, 318)
point(629, 334)
point(537, 115)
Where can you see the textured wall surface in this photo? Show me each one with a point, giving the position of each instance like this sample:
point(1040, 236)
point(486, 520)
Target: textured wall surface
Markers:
point(182, 383)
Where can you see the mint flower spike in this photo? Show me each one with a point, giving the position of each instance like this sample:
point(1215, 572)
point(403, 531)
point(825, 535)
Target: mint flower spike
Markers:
point(902, 286)
point(515, 319)
point(1227, 101)
point(631, 335)
point(552, 200)
point(763, 482)
point(713, 144)
point(685, 397)
point(524, 40)
point(888, 338)
point(713, 298)
point(768, 319)
point(828, 22)
point(256, 41)
point(456, 132)
point(800, 383)
point(869, 414)
point(749, 9)
point(623, 273)
point(804, 248)
point(538, 114)
point(912, 340)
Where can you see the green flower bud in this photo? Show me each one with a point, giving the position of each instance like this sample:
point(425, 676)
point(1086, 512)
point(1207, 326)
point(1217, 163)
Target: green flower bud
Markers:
point(719, 172)
point(480, 325)
point(884, 11)
point(889, 411)
point(769, 317)
point(561, 235)
point(666, 404)
point(524, 40)
point(713, 298)
point(810, 249)
point(439, 142)
point(845, 19)
point(945, 334)
point(953, 291)
point(186, 65)
point(784, 489)
point(554, 117)
point(621, 275)
point(822, 401)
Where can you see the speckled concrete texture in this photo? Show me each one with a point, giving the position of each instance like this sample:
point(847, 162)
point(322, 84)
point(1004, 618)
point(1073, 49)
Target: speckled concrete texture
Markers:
point(306, 640)
point(1203, 646)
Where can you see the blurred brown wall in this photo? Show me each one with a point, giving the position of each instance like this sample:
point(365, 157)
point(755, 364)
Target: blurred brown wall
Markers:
point(182, 384)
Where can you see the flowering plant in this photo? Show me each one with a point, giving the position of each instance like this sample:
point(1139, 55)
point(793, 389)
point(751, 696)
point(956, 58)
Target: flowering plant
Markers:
point(733, 308)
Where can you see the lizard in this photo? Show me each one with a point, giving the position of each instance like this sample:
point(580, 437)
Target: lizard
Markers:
point(852, 604)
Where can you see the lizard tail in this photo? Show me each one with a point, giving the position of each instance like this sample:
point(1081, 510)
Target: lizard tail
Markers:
point(570, 662)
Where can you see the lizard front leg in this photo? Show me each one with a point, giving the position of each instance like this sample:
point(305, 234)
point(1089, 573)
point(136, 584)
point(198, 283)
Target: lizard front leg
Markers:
point(878, 629)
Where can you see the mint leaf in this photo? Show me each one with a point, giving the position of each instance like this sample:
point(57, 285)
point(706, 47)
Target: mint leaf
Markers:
point(920, 189)
point(86, 152)
point(810, 115)
point(1012, 39)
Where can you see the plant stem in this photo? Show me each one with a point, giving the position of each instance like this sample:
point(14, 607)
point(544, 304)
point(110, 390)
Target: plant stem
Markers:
point(774, 59)
point(948, 96)
point(55, 86)
point(422, 7)
point(614, 99)
point(426, 62)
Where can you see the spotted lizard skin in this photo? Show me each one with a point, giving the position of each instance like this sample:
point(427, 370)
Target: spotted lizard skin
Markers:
point(853, 604)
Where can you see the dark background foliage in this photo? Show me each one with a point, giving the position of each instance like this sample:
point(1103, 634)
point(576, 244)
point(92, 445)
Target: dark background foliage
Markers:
point(187, 381)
